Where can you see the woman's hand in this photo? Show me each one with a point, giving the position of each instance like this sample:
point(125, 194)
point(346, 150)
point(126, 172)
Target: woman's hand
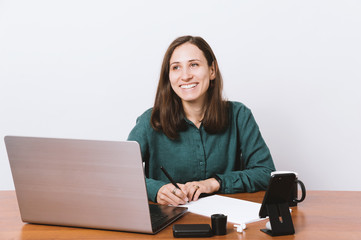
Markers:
point(170, 195)
point(194, 189)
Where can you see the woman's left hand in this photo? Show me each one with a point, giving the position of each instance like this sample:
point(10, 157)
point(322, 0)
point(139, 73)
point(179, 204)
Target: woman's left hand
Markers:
point(195, 188)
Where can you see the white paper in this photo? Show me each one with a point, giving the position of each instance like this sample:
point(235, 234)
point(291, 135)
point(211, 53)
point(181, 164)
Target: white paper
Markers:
point(237, 211)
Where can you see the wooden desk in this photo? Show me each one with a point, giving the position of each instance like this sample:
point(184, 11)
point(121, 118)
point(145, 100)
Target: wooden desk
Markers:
point(323, 215)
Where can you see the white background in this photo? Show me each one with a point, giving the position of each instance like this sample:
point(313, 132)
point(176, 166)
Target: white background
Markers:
point(87, 69)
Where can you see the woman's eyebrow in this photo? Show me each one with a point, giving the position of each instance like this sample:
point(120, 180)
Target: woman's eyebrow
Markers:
point(190, 60)
point(174, 63)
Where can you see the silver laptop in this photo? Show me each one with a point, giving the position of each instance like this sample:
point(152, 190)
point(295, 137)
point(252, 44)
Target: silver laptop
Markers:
point(84, 183)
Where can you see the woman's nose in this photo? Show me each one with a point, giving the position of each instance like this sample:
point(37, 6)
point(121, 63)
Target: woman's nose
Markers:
point(186, 74)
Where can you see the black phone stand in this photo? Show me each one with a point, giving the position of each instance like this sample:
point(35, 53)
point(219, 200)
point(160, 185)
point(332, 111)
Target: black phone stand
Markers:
point(280, 219)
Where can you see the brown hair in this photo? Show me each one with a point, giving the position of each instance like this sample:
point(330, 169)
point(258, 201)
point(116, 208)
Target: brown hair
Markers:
point(168, 114)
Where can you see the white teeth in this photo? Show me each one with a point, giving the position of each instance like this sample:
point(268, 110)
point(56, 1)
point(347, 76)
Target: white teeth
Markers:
point(189, 85)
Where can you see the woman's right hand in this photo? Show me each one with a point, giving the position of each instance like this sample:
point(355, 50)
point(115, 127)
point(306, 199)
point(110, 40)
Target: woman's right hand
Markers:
point(170, 195)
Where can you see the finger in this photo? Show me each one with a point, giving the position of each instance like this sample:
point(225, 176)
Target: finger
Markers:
point(183, 193)
point(179, 196)
point(194, 189)
point(196, 195)
point(163, 199)
point(174, 195)
point(191, 193)
point(191, 189)
point(166, 196)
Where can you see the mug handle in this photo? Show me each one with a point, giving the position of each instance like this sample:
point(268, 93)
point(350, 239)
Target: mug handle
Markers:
point(303, 189)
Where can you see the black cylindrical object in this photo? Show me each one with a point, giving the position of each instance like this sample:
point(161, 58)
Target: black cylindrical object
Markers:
point(219, 224)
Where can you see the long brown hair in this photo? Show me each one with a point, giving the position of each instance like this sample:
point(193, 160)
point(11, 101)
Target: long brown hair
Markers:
point(168, 114)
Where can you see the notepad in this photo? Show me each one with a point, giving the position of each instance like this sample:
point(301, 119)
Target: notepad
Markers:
point(237, 211)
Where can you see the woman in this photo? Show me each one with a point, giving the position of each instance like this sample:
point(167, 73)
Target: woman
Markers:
point(207, 144)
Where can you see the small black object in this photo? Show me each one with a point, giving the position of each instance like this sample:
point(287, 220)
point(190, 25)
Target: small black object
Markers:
point(275, 204)
point(192, 230)
point(219, 224)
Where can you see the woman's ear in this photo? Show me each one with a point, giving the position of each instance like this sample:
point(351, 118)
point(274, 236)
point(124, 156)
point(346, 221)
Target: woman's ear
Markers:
point(212, 71)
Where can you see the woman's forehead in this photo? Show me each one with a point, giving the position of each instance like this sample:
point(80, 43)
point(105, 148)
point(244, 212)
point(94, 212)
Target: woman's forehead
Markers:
point(187, 52)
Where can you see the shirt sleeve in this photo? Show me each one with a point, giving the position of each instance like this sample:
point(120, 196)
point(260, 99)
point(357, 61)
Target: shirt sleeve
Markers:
point(256, 161)
point(141, 134)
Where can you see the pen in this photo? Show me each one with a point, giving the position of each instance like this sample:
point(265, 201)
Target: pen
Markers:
point(169, 177)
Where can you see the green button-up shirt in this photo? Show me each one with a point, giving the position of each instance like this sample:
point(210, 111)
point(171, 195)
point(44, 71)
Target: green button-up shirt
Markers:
point(239, 156)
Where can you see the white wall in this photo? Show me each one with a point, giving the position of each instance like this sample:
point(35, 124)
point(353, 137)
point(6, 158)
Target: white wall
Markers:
point(87, 69)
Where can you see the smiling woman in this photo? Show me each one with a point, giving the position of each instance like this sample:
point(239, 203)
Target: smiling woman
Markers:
point(190, 84)
point(208, 144)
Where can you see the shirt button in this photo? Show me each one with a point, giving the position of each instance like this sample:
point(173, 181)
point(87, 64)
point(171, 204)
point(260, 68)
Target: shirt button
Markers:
point(201, 163)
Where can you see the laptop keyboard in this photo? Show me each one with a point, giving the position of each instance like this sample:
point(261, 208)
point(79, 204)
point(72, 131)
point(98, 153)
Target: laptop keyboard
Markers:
point(162, 216)
point(158, 217)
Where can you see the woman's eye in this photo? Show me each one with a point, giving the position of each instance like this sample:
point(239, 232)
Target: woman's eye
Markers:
point(194, 64)
point(175, 67)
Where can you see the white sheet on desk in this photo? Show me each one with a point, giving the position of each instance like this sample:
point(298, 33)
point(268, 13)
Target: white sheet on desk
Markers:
point(237, 211)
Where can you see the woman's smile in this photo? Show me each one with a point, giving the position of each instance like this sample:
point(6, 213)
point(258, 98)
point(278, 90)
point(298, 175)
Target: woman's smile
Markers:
point(188, 86)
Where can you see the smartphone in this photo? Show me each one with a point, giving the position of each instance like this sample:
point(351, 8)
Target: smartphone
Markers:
point(192, 230)
point(278, 191)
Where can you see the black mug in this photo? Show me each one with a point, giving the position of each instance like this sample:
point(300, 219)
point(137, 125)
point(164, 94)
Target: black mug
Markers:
point(293, 198)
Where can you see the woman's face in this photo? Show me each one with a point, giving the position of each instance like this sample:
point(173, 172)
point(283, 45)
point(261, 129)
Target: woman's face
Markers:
point(189, 73)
